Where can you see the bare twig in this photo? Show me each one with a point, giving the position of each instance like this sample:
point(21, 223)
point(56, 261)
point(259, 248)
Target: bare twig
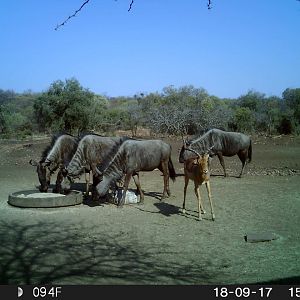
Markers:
point(130, 6)
point(209, 4)
point(78, 10)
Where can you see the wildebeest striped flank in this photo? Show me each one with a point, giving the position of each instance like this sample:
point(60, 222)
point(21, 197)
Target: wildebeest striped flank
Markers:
point(57, 155)
point(90, 153)
point(134, 156)
point(224, 143)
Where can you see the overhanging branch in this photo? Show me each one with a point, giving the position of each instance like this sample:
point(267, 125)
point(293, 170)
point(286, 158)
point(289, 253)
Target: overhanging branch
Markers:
point(209, 2)
point(75, 13)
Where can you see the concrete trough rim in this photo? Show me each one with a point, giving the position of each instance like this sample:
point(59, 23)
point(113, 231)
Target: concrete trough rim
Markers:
point(73, 198)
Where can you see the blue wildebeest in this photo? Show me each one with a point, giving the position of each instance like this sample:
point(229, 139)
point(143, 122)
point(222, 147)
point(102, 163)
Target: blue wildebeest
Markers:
point(225, 143)
point(91, 152)
point(196, 168)
point(57, 155)
point(134, 156)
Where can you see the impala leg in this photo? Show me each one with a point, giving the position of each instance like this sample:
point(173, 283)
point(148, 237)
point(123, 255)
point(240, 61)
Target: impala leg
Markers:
point(210, 199)
point(186, 182)
point(197, 192)
point(202, 208)
point(136, 179)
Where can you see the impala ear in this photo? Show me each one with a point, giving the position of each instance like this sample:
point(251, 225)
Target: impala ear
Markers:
point(34, 163)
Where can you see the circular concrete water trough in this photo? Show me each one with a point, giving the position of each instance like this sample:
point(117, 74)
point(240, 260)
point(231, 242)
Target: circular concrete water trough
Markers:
point(33, 198)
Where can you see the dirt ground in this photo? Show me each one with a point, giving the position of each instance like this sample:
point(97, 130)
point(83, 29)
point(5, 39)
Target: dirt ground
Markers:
point(155, 243)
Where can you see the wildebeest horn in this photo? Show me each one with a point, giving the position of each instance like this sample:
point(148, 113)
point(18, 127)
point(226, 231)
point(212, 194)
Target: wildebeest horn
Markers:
point(33, 163)
point(47, 162)
point(194, 151)
point(208, 150)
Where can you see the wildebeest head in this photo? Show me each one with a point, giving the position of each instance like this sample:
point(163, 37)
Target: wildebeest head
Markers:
point(187, 152)
point(44, 174)
point(183, 155)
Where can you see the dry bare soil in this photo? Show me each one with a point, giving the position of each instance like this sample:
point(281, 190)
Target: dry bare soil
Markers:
point(155, 243)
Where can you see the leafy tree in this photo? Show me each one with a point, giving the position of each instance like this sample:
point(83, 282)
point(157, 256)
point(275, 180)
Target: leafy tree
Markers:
point(285, 126)
point(244, 119)
point(186, 110)
point(271, 110)
point(13, 122)
point(291, 98)
point(251, 100)
point(66, 106)
point(6, 96)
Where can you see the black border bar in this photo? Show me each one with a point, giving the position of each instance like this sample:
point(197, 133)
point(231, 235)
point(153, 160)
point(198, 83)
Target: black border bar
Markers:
point(207, 292)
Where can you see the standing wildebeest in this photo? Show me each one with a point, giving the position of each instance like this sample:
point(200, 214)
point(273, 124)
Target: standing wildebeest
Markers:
point(197, 169)
point(90, 153)
point(225, 143)
point(57, 155)
point(134, 156)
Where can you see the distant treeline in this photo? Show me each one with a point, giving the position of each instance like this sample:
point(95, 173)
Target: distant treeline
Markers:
point(68, 107)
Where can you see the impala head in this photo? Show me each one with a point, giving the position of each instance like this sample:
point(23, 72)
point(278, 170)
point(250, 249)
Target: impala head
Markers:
point(201, 160)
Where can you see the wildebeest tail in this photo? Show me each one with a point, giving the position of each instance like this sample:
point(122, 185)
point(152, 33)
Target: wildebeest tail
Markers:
point(250, 152)
point(172, 172)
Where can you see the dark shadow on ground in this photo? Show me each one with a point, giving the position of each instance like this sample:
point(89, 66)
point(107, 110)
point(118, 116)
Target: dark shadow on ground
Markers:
point(155, 195)
point(49, 253)
point(167, 209)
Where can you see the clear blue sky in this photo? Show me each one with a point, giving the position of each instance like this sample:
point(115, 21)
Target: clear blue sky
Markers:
point(236, 46)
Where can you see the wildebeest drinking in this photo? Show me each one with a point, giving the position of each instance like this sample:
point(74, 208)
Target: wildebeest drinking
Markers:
point(90, 153)
point(225, 143)
point(57, 155)
point(134, 156)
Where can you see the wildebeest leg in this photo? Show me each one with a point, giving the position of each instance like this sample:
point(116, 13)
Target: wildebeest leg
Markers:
point(136, 179)
point(165, 170)
point(87, 180)
point(242, 154)
point(59, 179)
point(197, 192)
point(96, 180)
point(210, 200)
point(186, 182)
point(221, 159)
point(125, 188)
